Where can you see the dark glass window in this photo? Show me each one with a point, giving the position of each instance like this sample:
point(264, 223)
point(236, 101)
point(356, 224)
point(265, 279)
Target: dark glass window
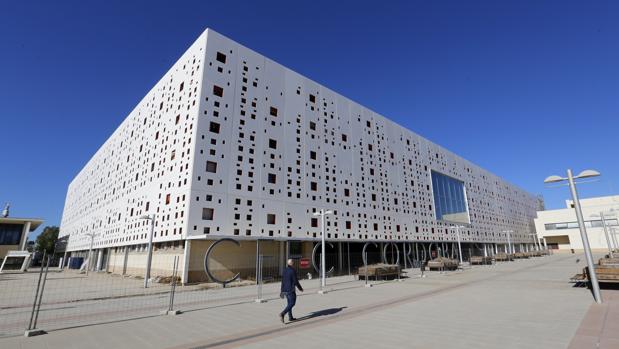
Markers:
point(270, 218)
point(208, 213)
point(218, 91)
point(211, 166)
point(10, 234)
point(295, 249)
point(221, 57)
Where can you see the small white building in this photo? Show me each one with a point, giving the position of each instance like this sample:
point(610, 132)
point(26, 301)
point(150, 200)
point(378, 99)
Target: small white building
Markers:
point(560, 227)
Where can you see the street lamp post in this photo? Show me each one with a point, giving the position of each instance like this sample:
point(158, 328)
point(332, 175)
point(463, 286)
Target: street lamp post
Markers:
point(535, 241)
point(457, 228)
point(149, 256)
point(613, 234)
point(322, 214)
point(581, 224)
point(92, 240)
point(610, 247)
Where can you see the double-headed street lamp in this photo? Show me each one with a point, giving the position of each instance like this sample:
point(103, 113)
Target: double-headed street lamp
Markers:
point(322, 214)
point(149, 257)
point(92, 240)
point(581, 224)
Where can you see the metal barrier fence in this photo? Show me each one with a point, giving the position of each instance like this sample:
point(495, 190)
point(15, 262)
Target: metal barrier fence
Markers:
point(49, 298)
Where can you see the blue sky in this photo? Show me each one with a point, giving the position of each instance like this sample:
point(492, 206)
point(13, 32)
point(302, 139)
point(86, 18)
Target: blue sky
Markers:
point(524, 89)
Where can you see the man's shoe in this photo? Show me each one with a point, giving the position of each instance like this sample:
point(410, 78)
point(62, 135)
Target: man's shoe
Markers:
point(292, 319)
point(281, 317)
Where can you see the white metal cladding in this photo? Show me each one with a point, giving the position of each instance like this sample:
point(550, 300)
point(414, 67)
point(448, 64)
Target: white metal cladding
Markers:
point(260, 147)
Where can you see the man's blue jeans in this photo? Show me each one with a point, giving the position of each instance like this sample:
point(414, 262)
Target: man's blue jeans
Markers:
point(291, 297)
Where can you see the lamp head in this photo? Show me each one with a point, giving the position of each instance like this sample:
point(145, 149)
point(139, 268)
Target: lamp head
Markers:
point(553, 179)
point(588, 173)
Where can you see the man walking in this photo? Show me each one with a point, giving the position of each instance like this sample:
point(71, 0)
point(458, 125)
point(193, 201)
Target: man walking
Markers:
point(289, 283)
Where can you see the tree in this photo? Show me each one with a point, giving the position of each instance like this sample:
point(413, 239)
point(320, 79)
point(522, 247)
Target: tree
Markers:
point(47, 239)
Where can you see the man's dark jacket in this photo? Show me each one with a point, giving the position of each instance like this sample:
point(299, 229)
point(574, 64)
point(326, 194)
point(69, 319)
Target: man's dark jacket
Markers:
point(290, 280)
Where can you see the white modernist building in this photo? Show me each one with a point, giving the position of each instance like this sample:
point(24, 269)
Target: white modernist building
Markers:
point(560, 227)
point(231, 144)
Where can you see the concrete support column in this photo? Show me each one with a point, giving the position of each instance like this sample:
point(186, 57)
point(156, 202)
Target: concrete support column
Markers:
point(24, 236)
point(125, 260)
point(107, 259)
point(186, 254)
point(99, 259)
point(282, 257)
point(340, 264)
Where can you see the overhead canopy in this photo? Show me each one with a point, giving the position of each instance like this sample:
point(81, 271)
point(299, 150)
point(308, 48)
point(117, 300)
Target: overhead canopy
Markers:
point(34, 222)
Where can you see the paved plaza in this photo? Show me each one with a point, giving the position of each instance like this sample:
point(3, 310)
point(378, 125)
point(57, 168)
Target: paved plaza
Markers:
point(522, 304)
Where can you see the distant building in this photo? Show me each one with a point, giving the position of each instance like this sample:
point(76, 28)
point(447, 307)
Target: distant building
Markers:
point(232, 144)
point(14, 233)
point(560, 227)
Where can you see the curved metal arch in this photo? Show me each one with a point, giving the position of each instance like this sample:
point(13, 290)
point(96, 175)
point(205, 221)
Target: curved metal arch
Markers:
point(408, 253)
point(397, 261)
point(206, 259)
point(365, 260)
point(423, 252)
point(314, 258)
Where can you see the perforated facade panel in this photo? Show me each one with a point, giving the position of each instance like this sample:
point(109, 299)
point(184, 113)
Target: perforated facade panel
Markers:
point(230, 143)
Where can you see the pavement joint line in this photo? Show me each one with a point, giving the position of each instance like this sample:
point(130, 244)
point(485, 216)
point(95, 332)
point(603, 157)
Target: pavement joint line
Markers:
point(235, 340)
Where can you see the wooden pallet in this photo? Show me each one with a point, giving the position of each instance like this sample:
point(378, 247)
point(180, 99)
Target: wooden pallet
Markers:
point(503, 257)
point(480, 260)
point(605, 273)
point(609, 261)
point(442, 263)
point(379, 270)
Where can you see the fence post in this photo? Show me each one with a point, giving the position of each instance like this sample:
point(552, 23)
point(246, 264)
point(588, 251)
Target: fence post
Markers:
point(365, 264)
point(348, 255)
point(259, 298)
point(170, 310)
point(36, 306)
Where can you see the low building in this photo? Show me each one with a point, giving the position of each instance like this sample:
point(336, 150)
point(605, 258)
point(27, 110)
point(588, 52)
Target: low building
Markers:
point(560, 227)
point(14, 233)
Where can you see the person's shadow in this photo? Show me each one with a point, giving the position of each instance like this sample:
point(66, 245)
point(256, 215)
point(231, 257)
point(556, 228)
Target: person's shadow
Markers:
point(324, 312)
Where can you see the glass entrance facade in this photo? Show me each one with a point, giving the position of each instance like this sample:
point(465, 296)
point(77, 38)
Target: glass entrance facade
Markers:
point(449, 199)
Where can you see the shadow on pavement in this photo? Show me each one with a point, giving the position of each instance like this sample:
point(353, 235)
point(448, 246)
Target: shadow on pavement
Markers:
point(324, 312)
